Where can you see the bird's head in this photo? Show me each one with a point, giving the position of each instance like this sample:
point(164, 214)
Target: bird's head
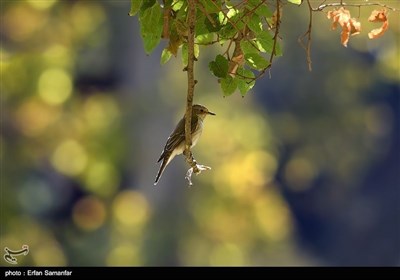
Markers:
point(201, 111)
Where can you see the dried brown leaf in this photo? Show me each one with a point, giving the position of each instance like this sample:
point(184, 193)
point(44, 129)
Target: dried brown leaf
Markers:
point(350, 26)
point(378, 16)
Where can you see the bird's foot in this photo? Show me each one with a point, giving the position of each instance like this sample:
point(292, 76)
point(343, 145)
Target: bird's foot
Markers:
point(197, 170)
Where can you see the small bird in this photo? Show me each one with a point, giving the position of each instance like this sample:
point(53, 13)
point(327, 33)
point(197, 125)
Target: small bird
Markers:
point(176, 141)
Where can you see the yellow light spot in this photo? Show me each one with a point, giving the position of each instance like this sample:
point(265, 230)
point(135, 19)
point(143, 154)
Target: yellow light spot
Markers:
point(244, 175)
point(42, 4)
point(123, 255)
point(102, 178)
point(34, 117)
point(21, 22)
point(58, 55)
point(44, 250)
point(388, 55)
point(86, 17)
point(100, 111)
point(226, 255)
point(70, 158)
point(89, 213)
point(5, 61)
point(49, 254)
point(130, 209)
point(55, 86)
point(299, 173)
point(272, 216)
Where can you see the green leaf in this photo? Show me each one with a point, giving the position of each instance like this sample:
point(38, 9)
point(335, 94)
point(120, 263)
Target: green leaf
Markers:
point(244, 80)
point(196, 51)
point(219, 67)
point(265, 43)
point(211, 6)
point(200, 27)
point(227, 32)
point(150, 18)
point(255, 24)
point(262, 9)
point(228, 85)
point(182, 12)
point(150, 42)
point(231, 13)
point(151, 23)
point(256, 61)
point(178, 4)
point(248, 46)
point(185, 53)
point(205, 39)
point(165, 56)
point(147, 4)
point(296, 2)
point(278, 50)
point(212, 26)
point(135, 6)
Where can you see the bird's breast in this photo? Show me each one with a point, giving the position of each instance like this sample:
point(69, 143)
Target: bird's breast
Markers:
point(197, 133)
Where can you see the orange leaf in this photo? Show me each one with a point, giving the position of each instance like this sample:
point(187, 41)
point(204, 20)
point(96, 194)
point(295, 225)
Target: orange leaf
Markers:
point(350, 26)
point(378, 16)
point(355, 27)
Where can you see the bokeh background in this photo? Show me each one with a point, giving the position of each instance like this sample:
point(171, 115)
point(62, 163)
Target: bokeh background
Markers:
point(305, 167)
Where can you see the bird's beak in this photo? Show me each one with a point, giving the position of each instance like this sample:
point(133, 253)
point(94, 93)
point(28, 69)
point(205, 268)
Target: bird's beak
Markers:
point(211, 113)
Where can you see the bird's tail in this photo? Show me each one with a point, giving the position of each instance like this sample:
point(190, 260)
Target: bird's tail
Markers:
point(161, 170)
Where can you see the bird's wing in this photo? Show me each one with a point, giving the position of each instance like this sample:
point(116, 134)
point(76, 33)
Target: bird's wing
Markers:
point(178, 136)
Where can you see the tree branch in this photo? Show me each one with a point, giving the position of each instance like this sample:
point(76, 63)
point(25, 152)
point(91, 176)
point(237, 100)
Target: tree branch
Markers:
point(341, 3)
point(166, 16)
point(190, 77)
point(194, 167)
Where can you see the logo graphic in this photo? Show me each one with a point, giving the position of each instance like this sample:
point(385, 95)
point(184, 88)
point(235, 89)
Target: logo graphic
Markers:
point(9, 255)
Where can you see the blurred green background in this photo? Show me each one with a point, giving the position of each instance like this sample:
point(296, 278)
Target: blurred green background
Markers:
point(305, 168)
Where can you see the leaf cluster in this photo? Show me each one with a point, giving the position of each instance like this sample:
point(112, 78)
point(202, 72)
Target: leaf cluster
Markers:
point(246, 31)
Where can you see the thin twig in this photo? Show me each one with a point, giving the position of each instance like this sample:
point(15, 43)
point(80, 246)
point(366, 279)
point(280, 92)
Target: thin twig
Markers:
point(275, 39)
point(226, 16)
point(341, 3)
point(203, 10)
point(239, 31)
point(307, 47)
point(226, 52)
point(252, 10)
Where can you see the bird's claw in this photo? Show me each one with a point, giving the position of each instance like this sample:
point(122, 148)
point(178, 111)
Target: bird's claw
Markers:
point(197, 170)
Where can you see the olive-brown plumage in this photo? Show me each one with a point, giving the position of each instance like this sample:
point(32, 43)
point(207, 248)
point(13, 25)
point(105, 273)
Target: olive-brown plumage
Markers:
point(176, 141)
